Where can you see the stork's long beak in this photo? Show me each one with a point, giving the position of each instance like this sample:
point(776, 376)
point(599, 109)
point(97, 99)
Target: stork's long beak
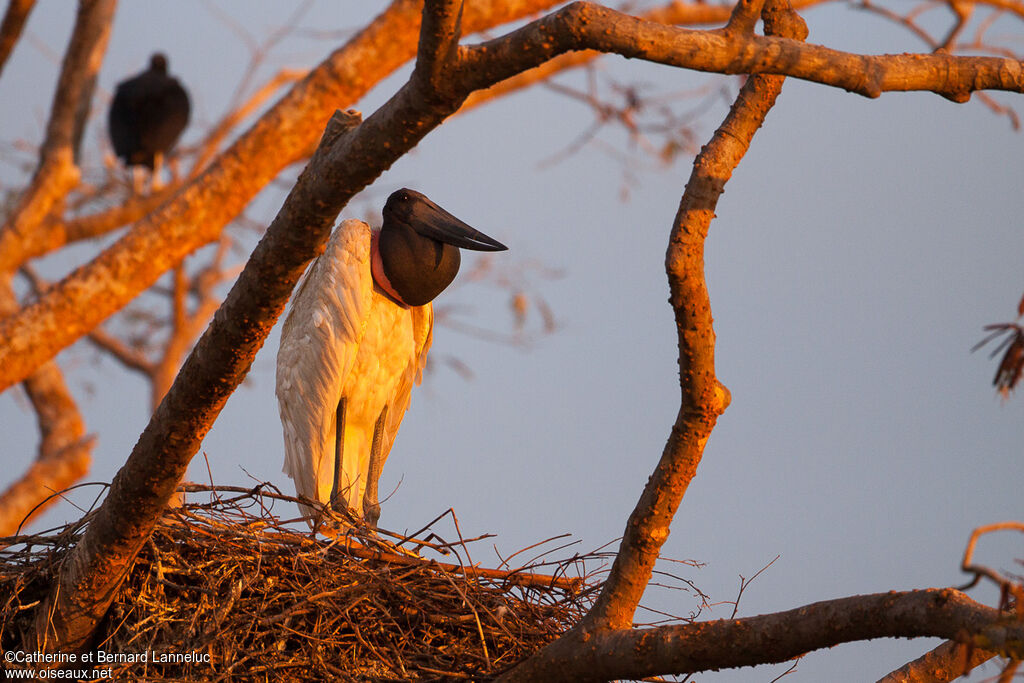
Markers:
point(430, 220)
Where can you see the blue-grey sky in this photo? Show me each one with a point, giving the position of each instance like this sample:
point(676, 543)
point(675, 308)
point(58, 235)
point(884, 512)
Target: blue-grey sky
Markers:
point(858, 250)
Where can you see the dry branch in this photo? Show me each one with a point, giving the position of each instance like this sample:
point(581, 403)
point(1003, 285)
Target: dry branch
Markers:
point(38, 487)
point(583, 25)
point(703, 398)
point(945, 663)
point(727, 643)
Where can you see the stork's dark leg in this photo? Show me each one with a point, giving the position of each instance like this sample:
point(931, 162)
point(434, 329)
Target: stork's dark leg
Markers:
point(371, 506)
point(337, 502)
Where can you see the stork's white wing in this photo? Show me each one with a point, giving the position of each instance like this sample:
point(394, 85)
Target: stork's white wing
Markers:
point(319, 340)
point(423, 334)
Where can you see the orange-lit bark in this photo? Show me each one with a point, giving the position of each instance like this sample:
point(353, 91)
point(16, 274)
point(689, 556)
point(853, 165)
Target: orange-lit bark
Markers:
point(947, 662)
point(705, 646)
point(576, 654)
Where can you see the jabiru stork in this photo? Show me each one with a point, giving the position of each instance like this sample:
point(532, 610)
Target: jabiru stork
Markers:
point(147, 116)
point(356, 340)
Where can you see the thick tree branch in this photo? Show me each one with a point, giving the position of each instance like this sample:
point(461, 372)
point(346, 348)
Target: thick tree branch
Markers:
point(439, 41)
point(771, 638)
point(10, 29)
point(945, 663)
point(678, 13)
point(703, 398)
point(583, 25)
point(196, 215)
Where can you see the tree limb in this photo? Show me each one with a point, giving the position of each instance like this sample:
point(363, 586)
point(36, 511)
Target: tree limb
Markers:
point(771, 638)
point(676, 12)
point(439, 41)
point(10, 29)
point(703, 398)
point(36, 490)
point(583, 25)
point(945, 663)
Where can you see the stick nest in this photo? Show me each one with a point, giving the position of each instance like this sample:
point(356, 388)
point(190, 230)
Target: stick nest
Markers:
point(255, 600)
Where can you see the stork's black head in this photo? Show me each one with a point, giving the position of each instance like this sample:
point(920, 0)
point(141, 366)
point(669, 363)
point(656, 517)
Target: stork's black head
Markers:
point(419, 246)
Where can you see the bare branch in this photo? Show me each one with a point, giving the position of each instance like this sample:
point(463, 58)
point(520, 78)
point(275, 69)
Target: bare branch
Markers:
point(703, 646)
point(744, 17)
point(10, 29)
point(127, 356)
point(583, 25)
point(968, 565)
point(703, 397)
point(439, 41)
point(676, 12)
point(55, 232)
point(945, 663)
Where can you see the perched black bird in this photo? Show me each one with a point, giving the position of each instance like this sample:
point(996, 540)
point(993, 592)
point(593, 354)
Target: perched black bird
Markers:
point(147, 116)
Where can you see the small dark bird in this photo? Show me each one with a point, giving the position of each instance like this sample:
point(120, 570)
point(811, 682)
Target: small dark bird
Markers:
point(356, 340)
point(147, 116)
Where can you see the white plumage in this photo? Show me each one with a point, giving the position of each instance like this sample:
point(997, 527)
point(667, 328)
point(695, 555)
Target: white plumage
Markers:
point(344, 338)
